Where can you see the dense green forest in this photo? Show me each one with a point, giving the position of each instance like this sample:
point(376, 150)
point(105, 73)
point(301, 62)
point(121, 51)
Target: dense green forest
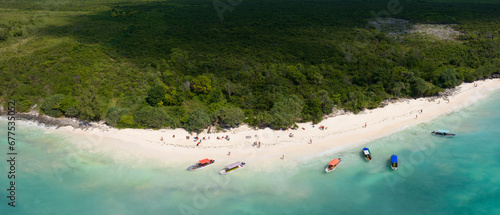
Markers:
point(195, 63)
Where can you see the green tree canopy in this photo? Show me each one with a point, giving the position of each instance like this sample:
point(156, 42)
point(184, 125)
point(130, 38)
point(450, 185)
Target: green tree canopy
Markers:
point(448, 79)
point(286, 111)
point(156, 95)
point(52, 105)
point(420, 87)
point(114, 115)
point(201, 84)
point(90, 105)
point(325, 102)
point(151, 117)
point(198, 120)
point(312, 111)
point(230, 116)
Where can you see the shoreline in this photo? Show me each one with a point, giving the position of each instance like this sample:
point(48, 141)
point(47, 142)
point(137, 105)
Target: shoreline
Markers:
point(341, 132)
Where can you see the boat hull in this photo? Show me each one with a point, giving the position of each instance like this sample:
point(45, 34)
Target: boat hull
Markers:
point(442, 135)
point(198, 166)
point(224, 172)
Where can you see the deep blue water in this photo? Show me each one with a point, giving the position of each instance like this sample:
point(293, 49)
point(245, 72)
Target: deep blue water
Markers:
point(437, 175)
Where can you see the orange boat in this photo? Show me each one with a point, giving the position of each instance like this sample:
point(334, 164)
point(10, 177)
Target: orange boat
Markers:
point(333, 164)
point(202, 164)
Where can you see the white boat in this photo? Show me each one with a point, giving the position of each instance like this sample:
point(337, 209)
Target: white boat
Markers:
point(202, 164)
point(232, 168)
point(333, 164)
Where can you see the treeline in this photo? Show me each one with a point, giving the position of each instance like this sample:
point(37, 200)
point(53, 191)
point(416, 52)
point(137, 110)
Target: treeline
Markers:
point(157, 64)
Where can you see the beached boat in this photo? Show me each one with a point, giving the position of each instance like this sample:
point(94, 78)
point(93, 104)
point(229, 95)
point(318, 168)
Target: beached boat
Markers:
point(443, 133)
point(367, 154)
point(202, 164)
point(394, 162)
point(333, 164)
point(232, 167)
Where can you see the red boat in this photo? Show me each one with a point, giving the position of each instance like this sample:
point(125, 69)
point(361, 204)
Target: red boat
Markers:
point(202, 164)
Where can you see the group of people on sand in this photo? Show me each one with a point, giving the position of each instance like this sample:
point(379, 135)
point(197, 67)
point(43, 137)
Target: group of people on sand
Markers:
point(256, 144)
point(226, 137)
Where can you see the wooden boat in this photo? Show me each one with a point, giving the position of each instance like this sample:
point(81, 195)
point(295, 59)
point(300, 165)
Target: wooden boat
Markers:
point(333, 164)
point(367, 154)
point(443, 133)
point(202, 164)
point(232, 167)
point(394, 162)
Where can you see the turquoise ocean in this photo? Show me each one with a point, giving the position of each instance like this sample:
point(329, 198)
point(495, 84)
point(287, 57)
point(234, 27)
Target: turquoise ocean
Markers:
point(437, 175)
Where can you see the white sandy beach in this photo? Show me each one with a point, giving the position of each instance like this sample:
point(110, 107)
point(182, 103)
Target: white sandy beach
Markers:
point(341, 131)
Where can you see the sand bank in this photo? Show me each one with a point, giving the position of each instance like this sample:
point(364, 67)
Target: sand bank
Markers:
point(340, 132)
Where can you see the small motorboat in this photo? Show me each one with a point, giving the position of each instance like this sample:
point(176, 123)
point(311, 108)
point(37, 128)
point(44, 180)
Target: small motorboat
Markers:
point(232, 167)
point(202, 164)
point(443, 133)
point(394, 162)
point(367, 154)
point(333, 164)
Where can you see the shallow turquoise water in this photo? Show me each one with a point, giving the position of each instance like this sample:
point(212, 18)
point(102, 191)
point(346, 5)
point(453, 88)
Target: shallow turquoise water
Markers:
point(436, 176)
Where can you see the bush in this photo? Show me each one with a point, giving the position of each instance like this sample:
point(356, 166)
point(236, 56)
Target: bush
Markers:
point(286, 111)
point(175, 113)
point(312, 111)
point(230, 116)
point(51, 106)
point(156, 95)
point(114, 115)
point(151, 117)
point(198, 120)
point(448, 79)
point(71, 111)
point(126, 121)
point(4, 35)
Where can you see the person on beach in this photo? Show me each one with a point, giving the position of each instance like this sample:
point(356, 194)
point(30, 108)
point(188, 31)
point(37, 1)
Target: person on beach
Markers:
point(310, 141)
point(161, 139)
point(416, 116)
point(229, 154)
point(198, 143)
point(259, 144)
point(282, 157)
point(173, 136)
point(365, 124)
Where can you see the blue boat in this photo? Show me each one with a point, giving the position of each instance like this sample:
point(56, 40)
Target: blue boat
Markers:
point(394, 162)
point(443, 133)
point(367, 154)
